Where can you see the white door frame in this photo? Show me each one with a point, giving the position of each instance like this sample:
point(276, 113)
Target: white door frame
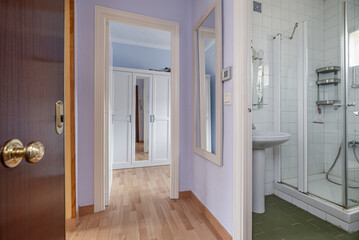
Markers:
point(102, 15)
point(242, 120)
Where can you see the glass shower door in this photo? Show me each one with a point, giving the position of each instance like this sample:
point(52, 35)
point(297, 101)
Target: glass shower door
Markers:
point(325, 99)
point(352, 114)
point(289, 155)
point(352, 163)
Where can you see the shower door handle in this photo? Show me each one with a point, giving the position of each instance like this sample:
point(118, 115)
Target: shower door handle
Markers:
point(356, 113)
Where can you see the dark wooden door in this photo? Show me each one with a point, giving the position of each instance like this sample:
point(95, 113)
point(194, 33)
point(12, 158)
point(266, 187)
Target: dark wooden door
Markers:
point(31, 81)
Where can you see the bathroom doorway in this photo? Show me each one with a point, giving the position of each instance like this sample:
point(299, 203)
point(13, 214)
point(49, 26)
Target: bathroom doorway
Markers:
point(307, 90)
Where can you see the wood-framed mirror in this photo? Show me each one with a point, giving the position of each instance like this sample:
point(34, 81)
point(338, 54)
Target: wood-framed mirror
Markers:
point(207, 84)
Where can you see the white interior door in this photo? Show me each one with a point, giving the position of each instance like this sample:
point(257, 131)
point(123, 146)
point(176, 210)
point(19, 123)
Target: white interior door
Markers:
point(110, 137)
point(160, 118)
point(123, 119)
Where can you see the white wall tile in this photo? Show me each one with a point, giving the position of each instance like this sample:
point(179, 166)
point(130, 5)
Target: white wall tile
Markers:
point(322, 16)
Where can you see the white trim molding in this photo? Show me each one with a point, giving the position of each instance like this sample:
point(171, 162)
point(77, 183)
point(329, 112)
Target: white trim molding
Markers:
point(242, 120)
point(103, 15)
point(216, 157)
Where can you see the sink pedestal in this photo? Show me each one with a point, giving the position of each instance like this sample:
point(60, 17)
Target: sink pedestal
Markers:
point(258, 176)
point(261, 141)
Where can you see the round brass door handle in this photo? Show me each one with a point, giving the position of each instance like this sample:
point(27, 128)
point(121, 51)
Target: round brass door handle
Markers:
point(14, 151)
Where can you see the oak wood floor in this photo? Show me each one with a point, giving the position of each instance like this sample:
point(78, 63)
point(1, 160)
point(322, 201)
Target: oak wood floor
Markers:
point(140, 208)
point(140, 154)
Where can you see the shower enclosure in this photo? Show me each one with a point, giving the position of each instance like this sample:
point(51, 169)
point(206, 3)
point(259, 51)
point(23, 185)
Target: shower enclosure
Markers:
point(317, 101)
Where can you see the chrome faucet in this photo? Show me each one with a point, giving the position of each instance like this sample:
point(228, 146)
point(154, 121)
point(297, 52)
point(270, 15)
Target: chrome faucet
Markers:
point(351, 104)
point(253, 127)
point(353, 143)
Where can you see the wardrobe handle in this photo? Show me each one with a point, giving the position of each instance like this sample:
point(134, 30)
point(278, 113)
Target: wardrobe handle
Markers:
point(130, 118)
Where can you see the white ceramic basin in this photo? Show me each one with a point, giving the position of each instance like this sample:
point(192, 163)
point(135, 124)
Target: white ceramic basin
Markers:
point(262, 140)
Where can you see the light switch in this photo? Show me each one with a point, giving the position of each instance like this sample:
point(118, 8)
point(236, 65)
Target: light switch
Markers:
point(227, 99)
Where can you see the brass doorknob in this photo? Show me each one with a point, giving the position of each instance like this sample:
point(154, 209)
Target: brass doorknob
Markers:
point(13, 152)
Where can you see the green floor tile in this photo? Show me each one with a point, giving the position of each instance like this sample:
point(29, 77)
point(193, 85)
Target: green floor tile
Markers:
point(284, 221)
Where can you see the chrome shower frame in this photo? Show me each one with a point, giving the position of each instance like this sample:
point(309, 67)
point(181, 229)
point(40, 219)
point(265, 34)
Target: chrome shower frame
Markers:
point(345, 63)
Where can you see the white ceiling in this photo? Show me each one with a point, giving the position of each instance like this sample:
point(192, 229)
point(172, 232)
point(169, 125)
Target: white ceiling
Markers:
point(140, 36)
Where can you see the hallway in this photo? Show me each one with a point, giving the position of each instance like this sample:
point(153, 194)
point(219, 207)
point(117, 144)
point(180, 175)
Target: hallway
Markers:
point(140, 208)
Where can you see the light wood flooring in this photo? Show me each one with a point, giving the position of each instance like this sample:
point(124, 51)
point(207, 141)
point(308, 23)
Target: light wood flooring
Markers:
point(140, 208)
point(140, 154)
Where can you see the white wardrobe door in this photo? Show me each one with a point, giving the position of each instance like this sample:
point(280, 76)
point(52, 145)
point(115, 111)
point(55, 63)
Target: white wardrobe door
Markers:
point(122, 122)
point(161, 122)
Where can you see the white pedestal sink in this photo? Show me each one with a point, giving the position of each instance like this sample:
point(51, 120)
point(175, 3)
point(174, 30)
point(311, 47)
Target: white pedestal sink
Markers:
point(261, 141)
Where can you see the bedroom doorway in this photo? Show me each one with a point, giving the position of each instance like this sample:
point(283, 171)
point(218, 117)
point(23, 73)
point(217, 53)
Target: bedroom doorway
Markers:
point(163, 120)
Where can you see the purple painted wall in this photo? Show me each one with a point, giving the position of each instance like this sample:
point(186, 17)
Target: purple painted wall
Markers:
point(213, 185)
point(174, 10)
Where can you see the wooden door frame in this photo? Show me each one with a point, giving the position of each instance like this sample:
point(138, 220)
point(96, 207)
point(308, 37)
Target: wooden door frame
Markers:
point(70, 157)
point(242, 120)
point(101, 159)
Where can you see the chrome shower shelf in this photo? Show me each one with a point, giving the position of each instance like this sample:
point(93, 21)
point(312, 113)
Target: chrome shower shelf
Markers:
point(327, 102)
point(328, 81)
point(328, 69)
point(333, 80)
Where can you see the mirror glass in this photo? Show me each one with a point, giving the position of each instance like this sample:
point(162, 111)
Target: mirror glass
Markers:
point(142, 119)
point(257, 78)
point(206, 82)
